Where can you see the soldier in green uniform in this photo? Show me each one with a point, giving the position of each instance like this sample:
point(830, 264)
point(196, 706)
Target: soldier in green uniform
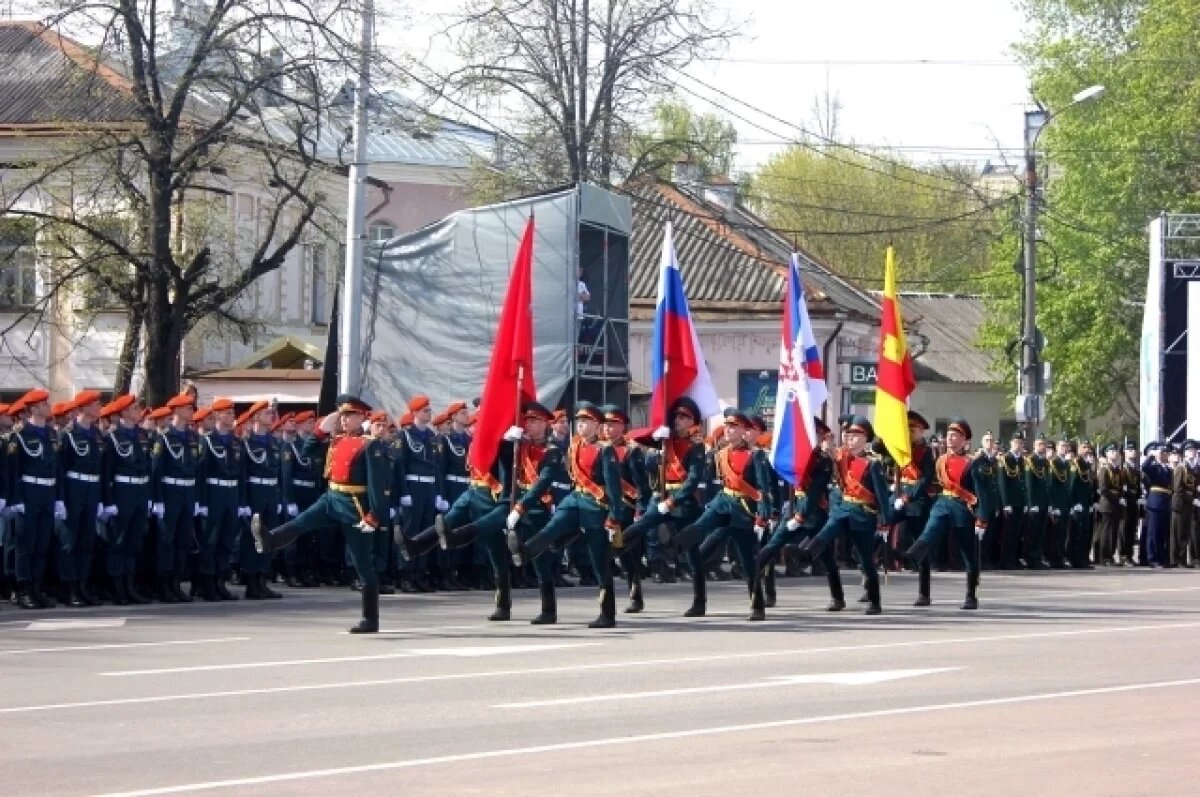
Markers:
point(359, 477)
point(1083, 493)
point(32, 497)
point(125, 488)
point(221, 491)
point(627, 490)
point(302, 559)
point(1111, 506)
point(265, 476)
point(1037, 499)
point(1012, 501)
point(1058, 476)
point(1131, 478)
point(914, 498)
point(1183, 493)
point(988, 481)
point(79, 490)
point(173, 463)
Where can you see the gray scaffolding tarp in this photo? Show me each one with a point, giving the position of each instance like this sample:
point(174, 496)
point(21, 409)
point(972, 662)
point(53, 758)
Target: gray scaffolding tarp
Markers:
point(432, 298)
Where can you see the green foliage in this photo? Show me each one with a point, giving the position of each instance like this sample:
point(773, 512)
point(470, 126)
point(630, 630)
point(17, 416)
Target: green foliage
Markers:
point(707, 140)
point(1114, 164)
point(846, 206)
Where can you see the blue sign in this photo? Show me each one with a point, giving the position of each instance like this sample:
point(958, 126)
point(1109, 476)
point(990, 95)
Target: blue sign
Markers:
point(756, 393)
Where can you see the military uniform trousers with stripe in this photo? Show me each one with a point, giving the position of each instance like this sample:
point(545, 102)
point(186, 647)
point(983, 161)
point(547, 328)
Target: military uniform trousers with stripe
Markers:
point(77, 534)
point(127, 530)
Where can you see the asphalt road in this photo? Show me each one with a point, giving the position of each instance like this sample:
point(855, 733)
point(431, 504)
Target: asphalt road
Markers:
point(1063, 683)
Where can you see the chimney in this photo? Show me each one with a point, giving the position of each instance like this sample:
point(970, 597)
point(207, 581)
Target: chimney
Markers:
point(720, 190)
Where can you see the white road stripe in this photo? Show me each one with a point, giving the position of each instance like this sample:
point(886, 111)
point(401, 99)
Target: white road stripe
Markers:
point(642, 738)
point(76, 625)
point(115, 645)
point(474, 651)
point(972, 640)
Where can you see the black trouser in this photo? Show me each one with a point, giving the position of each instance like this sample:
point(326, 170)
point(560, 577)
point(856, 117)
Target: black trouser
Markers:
point(176, 531)
point(127, 531)
point(77, 534)
point(34, 529)
point(220, 531)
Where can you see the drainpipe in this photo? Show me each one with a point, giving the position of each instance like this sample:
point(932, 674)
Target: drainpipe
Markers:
point(825, 352)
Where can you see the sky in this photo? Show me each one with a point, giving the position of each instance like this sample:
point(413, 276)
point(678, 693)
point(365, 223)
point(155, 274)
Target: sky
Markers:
point(934, 79)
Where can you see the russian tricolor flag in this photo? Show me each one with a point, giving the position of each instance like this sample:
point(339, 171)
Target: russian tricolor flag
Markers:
point(678, 368)
point(802, 388)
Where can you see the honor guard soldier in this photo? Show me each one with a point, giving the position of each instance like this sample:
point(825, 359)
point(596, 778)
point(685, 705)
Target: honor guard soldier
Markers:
point(265, 476)
point(33, 496)
point(1183, 493)
point(1112, 502)
point(302, 560)
point(1061, 502)
point(958, 510)
point(419, 487)
point(125, 488)
point(221, 492)
point(627, 492)
point(173, 462)
point(808, 512)
point(741, 511)
point(989, 487)
point(359, 475)
point(1083, 491)
point(452, 448)
point(914, 499)
point(1131, 478)
point(1012, 497)
point(1037, 499)
point(677, 469)
point(80, 463)
point(1156, 478)
point(860, 504)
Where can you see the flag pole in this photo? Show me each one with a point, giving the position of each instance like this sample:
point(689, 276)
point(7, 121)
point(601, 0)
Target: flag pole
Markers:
point(663, 444)
point(516, 460)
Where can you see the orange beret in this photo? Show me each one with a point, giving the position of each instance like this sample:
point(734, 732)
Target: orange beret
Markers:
point(438, 420)
point(60, 408)
point(201, 414)
point(302, 417)
point(418, 403)
point(182, 400)
point(17, 407)
point(379, 416)
point(86, 397)
point(3, 409)
point(406, 419)
point(161, 413)
point(241, 419)
point(560, 414)
point(34, 396)
point(221, 404)
point(255, 408)
point(117, 405)
point(455, 408)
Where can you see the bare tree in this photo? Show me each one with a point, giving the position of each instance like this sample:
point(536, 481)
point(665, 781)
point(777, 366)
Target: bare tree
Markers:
point(207, 103)
point(584, 73)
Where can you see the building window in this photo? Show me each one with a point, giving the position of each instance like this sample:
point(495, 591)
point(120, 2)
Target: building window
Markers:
point(318, 264)
point(756, 393)
point(380, 232)
point(18, 264)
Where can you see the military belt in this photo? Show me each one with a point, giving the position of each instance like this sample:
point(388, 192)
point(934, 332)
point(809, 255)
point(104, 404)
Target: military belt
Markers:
point(223, 482)
point(303, 483)
point(454, 477)
point(263, 481)
point(131, 479)
point(83, 477)
point(179, 482)
point(949, 494)
point(867, 505)
point(556, 485)
point(412, 477)
point(39, 481)
point(674, 485)
point(733, 493)
point(1160, 490)
point(352, 489)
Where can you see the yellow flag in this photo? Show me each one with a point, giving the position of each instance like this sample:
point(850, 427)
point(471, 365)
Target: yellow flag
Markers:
point(895, 381)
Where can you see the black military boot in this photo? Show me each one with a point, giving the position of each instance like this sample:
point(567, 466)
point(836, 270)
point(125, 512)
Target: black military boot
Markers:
point(42, 596)
point(74, 598)
point(119, 596)
point(206, 587)
point(768, 587)
point(608, 608)
point(503, 610)
point(25, 597)
point(971, 603)
point(636, 602)
point(813, 547)
point(873, 603)
point(758, 610)
point(918, 552)
point(410, 549)
point(265, 590)
point(923, 585)
point(699, 597)
point(177, 591)
point(132, 593)
point(837, 596)
point(449, 539)
point(369, 624)
point(549, 614)
point(523, 552)
point(253, 592)
point(85, 592)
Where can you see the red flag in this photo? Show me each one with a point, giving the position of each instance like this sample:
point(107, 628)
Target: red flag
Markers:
point(510, 376)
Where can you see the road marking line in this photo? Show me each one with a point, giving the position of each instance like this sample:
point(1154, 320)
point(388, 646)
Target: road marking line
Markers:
point(973, 640)
point(116, 645)
point(838, 678)
point(76, 625)
point(463, 652)
point(644, 738)
point(429, 630)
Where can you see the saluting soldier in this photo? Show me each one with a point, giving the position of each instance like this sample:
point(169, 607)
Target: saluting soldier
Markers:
point(33, 497)
point(1131, 480)
point(125, 488)
point(173, 462)
point(958, 510)
point(80, 463)
point(1111, 506)
point(265, 477)
point(359, 476)
point(1012, 497)
point(221, 488)
point(1037, 499)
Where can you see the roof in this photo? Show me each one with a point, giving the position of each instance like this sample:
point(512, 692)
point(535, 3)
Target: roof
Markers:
point(268, 374)
point(730, 262)
point(49, 79)
point(285, 352)
point(944, 329)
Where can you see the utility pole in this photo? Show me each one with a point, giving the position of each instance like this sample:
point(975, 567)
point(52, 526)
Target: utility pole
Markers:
point(350, 335)
point(1030, 398)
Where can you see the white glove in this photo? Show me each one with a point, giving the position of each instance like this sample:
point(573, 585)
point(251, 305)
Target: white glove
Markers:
point(663, 508)
point(150, 507)
point(514, 434)
point(293, 510)
point(980, 532)
point(898, 503)
point(1025, 510)
point(1055, 513)
point(553, 509)
point(1008, 510)
point(1122, 502)
point(1077, 509)
point(3, 504)
point(279, 509)
point(1196, 502)
point(1033, 510)
point(158, 509)
point(793, 524)
point(441, 504)
point(881, 533)
point(364, 526)
point(1141, 502)
point(197, 510)
point(406, 501)
point(244, 511)
point(60, 510)
point(17, 509)
point(661, 433)
point(329, 423)
point(392, 513)
point(514, 517)
point(110, 511)
point(99, 509)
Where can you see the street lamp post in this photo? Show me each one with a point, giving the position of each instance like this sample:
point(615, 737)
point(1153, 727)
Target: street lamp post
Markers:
point(1031, 400)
